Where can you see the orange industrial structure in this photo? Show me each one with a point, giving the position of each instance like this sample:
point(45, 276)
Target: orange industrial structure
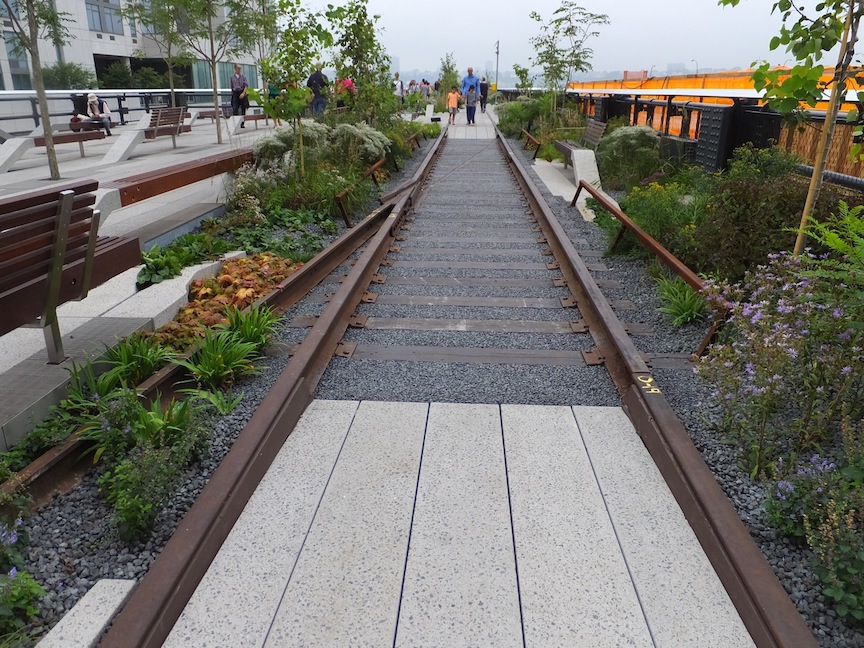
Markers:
point(671, 104)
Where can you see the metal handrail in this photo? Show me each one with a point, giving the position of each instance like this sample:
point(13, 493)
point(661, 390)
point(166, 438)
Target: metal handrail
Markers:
point(671, 261)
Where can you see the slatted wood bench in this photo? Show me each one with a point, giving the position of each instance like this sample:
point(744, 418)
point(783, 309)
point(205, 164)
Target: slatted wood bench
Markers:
point(255, 117)
point(68, 138)
point(167, 121)
point(142, 186)
point(591, 136)
point(529, 140)
point(50, 254)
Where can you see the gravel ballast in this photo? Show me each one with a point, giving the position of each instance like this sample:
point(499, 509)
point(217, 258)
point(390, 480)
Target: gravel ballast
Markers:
point(71, 542)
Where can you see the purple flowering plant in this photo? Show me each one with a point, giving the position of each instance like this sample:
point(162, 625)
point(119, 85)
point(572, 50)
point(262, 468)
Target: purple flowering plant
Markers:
point(18, 590)
point(785, 365)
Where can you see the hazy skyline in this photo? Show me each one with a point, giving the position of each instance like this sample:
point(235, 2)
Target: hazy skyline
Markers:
point(693, 33)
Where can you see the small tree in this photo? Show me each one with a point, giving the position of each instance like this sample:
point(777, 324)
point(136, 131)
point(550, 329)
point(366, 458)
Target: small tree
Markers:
point(147, 77)
point(217, 30)
point(68, 76)
point(117, 75)
point(808, 39)
point(39, 20)
point(158, 22)
point(449, 76)
point(295, 51)
point(361, 57)
point(526, 81)
point(561, 46)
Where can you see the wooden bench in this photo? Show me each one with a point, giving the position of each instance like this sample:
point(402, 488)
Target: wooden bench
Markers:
point(167, 121)
point(50, 254)
point(529, 140)
point(142, 186)
point(68, 138)
point(255, 117)
point(590, 139)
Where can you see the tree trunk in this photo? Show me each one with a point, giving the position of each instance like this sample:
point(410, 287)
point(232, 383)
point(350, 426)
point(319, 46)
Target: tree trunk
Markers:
point(214, 80)
point(39, 84)
point(168, 60)
point(838, 88)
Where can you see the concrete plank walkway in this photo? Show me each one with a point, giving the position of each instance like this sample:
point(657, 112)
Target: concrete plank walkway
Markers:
point(414, 524)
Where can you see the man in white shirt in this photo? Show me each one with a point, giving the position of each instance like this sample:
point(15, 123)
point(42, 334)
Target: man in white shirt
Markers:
point(398, 88)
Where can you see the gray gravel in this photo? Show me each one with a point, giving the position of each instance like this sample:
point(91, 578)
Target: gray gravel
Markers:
point(72, 544)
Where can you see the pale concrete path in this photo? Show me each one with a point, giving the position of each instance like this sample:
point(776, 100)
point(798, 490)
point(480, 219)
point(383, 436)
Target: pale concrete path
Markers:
point(416, 524)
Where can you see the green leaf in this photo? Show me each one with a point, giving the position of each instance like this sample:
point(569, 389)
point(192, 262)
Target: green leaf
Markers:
point(834, 593)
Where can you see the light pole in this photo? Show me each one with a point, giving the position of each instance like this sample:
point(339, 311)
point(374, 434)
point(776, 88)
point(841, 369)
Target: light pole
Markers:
point(496, 65)
point(650, 71)
point(697, 65)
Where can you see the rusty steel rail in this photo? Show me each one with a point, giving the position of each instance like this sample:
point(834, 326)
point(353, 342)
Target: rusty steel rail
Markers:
point(154, 606)
point(763, 604)
point(671, 261)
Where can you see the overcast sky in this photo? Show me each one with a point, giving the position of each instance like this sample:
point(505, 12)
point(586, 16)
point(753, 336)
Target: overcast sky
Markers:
point(639, 35)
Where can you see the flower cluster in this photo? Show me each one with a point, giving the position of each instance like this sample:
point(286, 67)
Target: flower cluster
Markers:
point(782, 371)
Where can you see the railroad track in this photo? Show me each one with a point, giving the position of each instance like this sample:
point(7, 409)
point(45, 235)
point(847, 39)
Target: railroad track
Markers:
point(465, 267)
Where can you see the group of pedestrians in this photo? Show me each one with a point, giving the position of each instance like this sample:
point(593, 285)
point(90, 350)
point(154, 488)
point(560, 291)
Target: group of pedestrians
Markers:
point(472, 92)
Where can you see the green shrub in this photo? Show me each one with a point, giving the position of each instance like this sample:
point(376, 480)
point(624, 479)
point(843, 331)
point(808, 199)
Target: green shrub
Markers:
point(681, 301)
point(113, 428)
point(749, 161)
point(138, 357)
point(137, 487)
point(255, 325)
point(269, 151)
point(628, 155)
point(159, 264)
point(68, 76)
point(19, 592)
point(667, 213)
point(221, 359)
point(749, 217)
point(513, 116)
point(357, 144)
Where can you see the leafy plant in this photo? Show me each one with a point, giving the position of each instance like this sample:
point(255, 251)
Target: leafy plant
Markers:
point(159, 265)
point(627, 155)
point(114, 428)
point(137, 487)
point(223, 402)
point(681, 301)
point(87, 386)
point(783, 367)
point(255, 325)
point(138, 357)
point(19, 592)
point(222, 358)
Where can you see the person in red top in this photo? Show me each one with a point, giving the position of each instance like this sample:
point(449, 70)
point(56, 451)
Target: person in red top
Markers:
point(344, 87)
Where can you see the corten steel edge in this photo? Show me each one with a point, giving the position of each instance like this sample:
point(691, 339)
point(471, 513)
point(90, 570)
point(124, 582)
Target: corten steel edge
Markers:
point(765, 608)
point(158, 600)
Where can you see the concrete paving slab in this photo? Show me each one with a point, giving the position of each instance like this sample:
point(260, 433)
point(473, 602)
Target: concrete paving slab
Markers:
point(684, 602)
point(460, 579)
point(84, 624)
point(344, 590)
point(573, 581)
point(552, 174)
point(238, 597)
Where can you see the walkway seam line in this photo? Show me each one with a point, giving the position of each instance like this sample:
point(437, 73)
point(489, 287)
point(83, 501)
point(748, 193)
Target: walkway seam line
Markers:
point(512, 525)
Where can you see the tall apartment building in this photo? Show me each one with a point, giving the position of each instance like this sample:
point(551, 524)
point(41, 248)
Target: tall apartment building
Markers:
point(98, 38)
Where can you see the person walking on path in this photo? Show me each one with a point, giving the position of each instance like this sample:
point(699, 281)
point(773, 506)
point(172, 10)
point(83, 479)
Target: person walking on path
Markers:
point(484, 94)
point(316, 83)
point(468, 81)
point(398, 88)
point(453, 104)
point(239, 98)
point(471, 105)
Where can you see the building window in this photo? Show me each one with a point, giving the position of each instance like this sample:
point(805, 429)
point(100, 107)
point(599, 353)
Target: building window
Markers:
point(104, 17)
point(133, 32)
point(17, 65)
point(94, 19)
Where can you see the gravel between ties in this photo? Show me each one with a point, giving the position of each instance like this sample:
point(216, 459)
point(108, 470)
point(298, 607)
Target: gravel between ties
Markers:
point(71, 544)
